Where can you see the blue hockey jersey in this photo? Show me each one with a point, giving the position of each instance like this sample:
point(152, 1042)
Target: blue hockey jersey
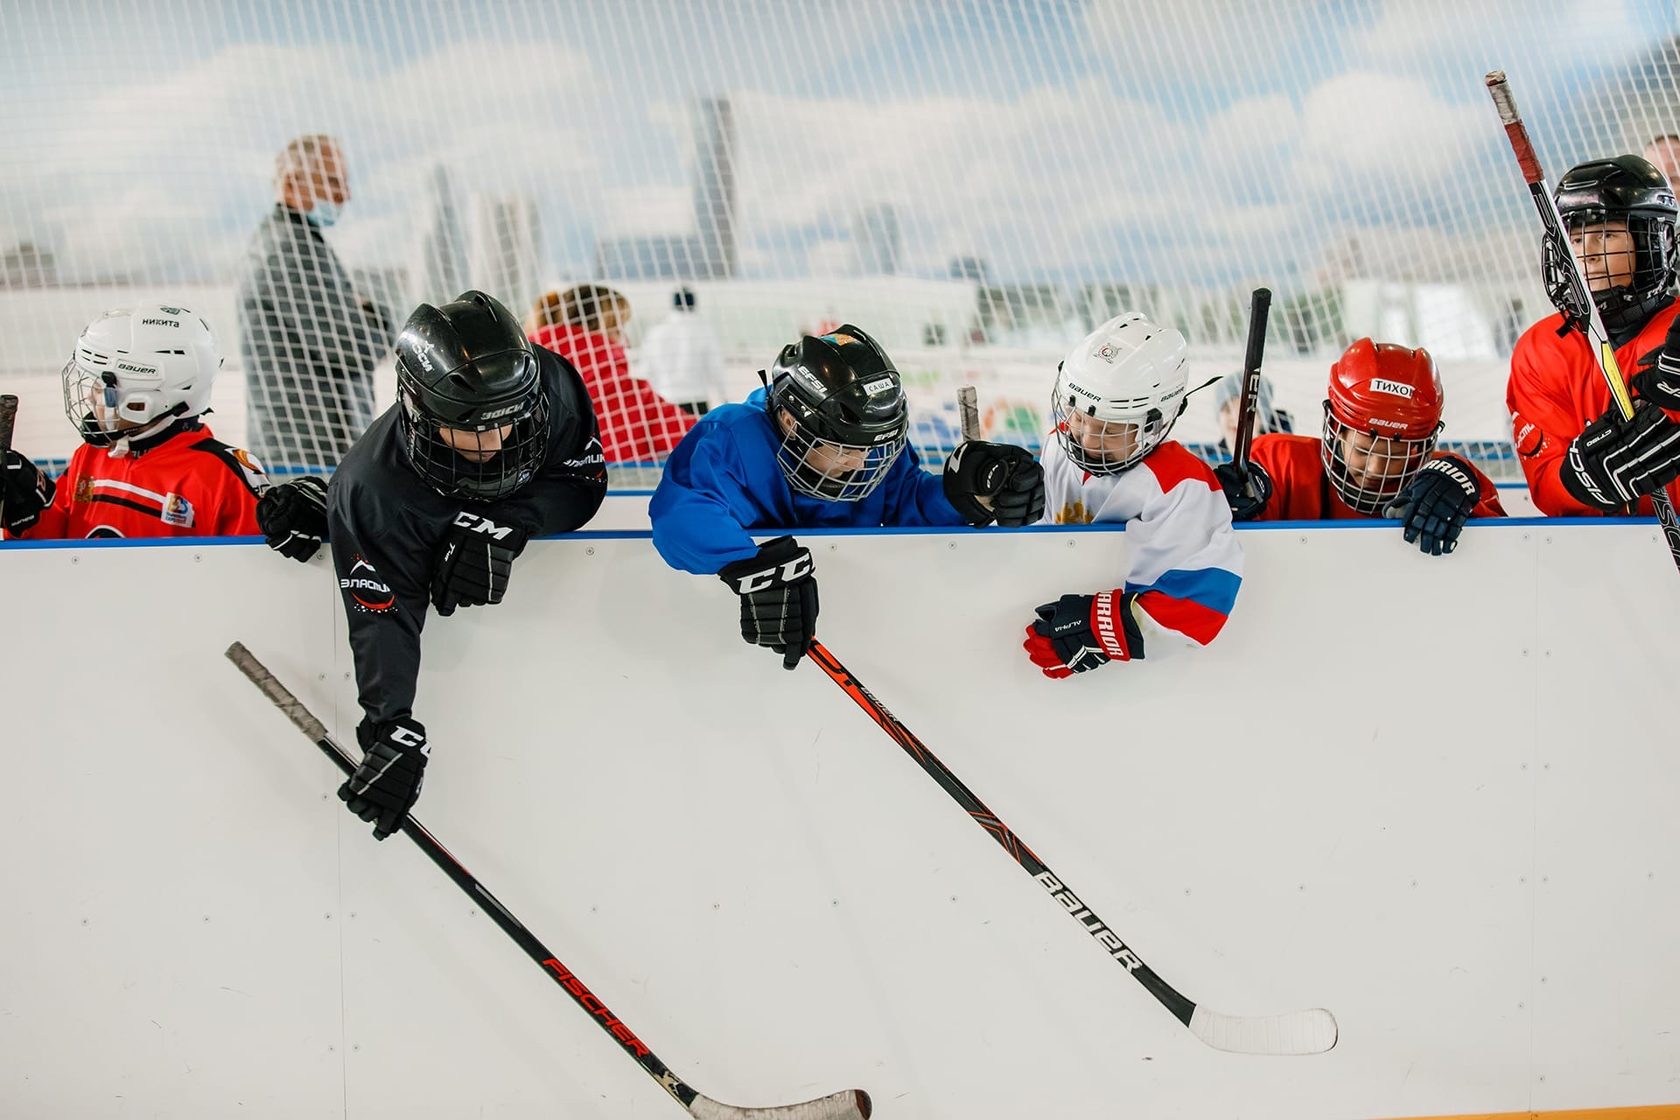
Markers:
point(722, 481)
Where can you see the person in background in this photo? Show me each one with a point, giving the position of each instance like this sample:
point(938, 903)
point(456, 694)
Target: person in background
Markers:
point(308, 340)
point(137, 387)
point(1376, 458)
point(1663, 153)
point(1227, 397)
point(681, 358)
point(585, 325)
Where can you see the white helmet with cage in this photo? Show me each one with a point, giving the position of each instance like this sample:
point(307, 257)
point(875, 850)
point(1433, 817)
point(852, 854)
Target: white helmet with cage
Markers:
point(137, 369)
point(1118, 393)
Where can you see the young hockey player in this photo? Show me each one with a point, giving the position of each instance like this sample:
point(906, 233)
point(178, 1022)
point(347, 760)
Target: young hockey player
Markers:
point(136, 388)
point(1579, 456)
point(1377, 457)
point(491, 442)
point(824, 443)
point(1116, 397)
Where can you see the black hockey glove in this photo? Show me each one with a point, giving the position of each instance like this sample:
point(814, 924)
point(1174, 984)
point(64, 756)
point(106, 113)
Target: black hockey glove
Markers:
point(1658, 379)
point(476, 561)
point(1078, 633)
point(1433, 509)
point(25, 491)
point(1008, 476)
point(293, 517)
point(1614, 462)
point(387, 783)
point(778, 593)
point(1247, 495)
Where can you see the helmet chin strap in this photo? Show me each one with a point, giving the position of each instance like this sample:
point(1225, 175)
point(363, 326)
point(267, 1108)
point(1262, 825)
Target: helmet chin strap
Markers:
point(133, 440)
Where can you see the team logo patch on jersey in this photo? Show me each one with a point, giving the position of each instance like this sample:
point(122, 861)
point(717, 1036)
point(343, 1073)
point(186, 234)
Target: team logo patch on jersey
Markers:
point(177, 511)
point(1528, 439)
point(365, 590)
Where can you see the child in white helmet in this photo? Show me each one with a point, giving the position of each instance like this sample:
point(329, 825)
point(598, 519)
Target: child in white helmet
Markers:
point(1117, 395)
point(136, 388)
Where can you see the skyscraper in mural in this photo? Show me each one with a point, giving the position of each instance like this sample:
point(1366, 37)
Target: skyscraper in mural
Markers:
point(714, 188)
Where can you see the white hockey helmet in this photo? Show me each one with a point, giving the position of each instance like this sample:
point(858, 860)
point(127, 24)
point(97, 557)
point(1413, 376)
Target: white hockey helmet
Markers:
point(1118, 393)
point(147, 365)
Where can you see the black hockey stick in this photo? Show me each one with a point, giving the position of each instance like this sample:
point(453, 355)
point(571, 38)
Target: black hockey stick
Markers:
point(1301, 1032)
point(1259, 311)
point(1592, 324)
point(8, 418)
point(852, 1104)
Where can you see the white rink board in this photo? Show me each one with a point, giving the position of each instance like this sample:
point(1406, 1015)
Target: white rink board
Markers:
point(1435, 796)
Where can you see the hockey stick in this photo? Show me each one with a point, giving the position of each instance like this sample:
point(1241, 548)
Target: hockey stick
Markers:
point(968, 408)
point(852, 1104)
point(1301, 1032)
point(1598, 339)
point(1259, 311)
point(8, 418)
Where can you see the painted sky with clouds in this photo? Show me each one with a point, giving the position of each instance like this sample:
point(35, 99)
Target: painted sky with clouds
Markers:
point(1197, 142)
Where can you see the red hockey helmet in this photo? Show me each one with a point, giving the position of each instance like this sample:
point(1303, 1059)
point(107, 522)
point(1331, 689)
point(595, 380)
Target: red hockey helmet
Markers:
point(1381, 421)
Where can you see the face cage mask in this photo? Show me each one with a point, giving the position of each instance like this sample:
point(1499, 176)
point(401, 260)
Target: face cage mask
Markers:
point(1620, 307)
point(1398, 463)
point(93, 402)
point(1150, 432)
point(453, 475)
point(836, 484)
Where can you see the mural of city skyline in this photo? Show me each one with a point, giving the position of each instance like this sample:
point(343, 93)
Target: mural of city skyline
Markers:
point(1196, 143)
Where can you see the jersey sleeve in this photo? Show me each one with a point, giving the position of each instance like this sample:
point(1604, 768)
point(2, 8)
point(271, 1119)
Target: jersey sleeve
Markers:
point(1543, 422)
point(565, 494)
point(1487, 496)
point(698, 510)
point(917, 497)
point(1185, 559)
point(235, 480)
point(383, 561)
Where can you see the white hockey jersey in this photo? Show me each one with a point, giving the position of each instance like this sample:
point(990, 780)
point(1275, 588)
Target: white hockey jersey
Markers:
point(1185, 561)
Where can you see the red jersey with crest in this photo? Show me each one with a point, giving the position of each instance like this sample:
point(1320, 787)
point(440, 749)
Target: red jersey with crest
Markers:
point(190, 484)
point(1555, 391)
point(1301, 491)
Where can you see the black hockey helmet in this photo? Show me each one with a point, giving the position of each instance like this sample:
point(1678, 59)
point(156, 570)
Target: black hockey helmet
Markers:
point(850, 421)
point(1624, 189)
point(472, 410)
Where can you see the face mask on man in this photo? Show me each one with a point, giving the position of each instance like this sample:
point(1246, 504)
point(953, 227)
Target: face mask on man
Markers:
point(324, 213)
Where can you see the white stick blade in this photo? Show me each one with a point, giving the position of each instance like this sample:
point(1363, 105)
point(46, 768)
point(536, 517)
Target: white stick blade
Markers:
point(852, 1104)
point(1300, 1032)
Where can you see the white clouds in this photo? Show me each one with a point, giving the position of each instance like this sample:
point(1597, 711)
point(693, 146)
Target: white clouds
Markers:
point(1378, 127)
point(1171, 140)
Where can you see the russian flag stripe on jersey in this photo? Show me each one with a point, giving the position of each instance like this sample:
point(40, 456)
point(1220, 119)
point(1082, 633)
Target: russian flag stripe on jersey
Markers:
point(1214, 588)
point(1196, 621)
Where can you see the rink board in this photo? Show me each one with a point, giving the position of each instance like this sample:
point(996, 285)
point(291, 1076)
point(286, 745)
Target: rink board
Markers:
point(1435, 796)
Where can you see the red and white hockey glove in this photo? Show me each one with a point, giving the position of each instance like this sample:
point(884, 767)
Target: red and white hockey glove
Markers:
point(1081, 632)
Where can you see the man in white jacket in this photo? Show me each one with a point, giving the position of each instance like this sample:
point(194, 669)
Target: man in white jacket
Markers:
point(681, 358)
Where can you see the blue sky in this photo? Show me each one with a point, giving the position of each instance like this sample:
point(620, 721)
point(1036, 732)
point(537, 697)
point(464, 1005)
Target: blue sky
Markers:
point(1194, 142)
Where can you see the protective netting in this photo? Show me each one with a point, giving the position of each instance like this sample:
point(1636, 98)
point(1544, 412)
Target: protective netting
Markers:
point(976, 182)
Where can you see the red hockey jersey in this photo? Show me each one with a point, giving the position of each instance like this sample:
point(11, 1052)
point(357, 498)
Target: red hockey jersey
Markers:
point(188, 485)
point(637, 424)
point(1555, 391)
point(1301, 491)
